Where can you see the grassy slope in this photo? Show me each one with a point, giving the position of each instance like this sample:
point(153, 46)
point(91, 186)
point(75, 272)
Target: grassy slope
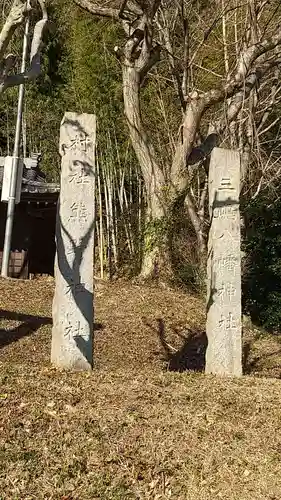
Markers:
point(132, 429)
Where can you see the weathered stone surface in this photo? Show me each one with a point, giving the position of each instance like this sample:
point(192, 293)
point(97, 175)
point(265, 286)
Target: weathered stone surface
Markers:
point(72, 334)
point(224, 351)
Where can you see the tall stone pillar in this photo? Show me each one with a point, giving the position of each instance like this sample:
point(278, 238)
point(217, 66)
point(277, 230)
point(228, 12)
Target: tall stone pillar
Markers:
point(224, 328)
point(72, 334)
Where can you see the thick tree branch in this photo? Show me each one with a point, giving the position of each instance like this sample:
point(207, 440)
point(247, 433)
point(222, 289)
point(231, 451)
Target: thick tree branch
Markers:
point(151, 62)
point(234, 86)
point(127, 9)
point(95, 9)
point(248, 57)
point(33, 72)
point(189, 128)
point(15, 18)
point(199, 104)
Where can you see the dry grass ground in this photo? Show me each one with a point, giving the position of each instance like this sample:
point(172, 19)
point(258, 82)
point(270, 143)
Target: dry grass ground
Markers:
point(135, 428)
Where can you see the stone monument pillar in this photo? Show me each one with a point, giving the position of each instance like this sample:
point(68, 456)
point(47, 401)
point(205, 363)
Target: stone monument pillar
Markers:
point(72, 334)
point(224, 328)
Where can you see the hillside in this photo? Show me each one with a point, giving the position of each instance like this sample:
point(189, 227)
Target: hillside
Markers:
point(136, 427)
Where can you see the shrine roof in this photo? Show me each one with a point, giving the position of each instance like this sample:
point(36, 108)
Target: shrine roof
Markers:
point(37, 185)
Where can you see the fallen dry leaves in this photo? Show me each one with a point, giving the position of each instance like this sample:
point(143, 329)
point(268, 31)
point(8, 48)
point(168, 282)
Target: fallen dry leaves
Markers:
point(132, 429)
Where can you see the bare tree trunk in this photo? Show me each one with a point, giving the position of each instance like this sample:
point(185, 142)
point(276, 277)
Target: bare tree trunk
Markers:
point(160, 201)
point(152, 174)
point(154, 248)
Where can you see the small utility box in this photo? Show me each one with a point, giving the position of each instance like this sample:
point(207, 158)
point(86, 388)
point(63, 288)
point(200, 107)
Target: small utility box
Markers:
point(8, 165)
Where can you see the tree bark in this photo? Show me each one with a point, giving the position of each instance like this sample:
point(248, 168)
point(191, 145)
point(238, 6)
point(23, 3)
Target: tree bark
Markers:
point(154, 257)
point(16, 16)
point(161, 198)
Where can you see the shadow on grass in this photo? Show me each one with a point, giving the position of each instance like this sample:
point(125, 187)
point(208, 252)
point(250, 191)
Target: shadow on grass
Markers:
point(29, 325)
point(191, 355)
point(257, 363)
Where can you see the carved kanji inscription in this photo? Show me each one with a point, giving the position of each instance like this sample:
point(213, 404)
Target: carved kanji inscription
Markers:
point(73, 319)
point(224, 351)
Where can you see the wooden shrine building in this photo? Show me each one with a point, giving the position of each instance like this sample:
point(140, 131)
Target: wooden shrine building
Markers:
point(33, 241)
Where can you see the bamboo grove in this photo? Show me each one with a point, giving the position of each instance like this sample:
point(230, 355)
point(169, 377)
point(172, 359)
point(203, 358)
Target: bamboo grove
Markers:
point(209, 73)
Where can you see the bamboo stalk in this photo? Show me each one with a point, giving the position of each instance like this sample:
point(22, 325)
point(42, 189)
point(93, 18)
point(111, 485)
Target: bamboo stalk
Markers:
point(108, 233)
point(120, 193)
point(224, 37)
point(122, 197)
point(101, 249)
point(95, 250)
point(111, 219)
point(8, 132)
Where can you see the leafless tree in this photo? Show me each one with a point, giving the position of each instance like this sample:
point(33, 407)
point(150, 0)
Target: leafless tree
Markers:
point(255, 131)
point(247, 39)
point(18, 11)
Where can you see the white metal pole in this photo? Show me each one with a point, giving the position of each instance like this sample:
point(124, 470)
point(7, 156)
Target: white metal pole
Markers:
point(14, 171)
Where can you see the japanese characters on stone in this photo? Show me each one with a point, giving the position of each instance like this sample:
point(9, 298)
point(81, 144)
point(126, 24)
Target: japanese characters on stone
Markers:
point(73, 301)
point(223, 328)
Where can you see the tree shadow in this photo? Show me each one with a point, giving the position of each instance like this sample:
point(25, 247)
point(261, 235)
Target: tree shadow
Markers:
point(29, 324)
point(82, 136)
point(82, 297)
point(190, 356)
point(192, 353)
